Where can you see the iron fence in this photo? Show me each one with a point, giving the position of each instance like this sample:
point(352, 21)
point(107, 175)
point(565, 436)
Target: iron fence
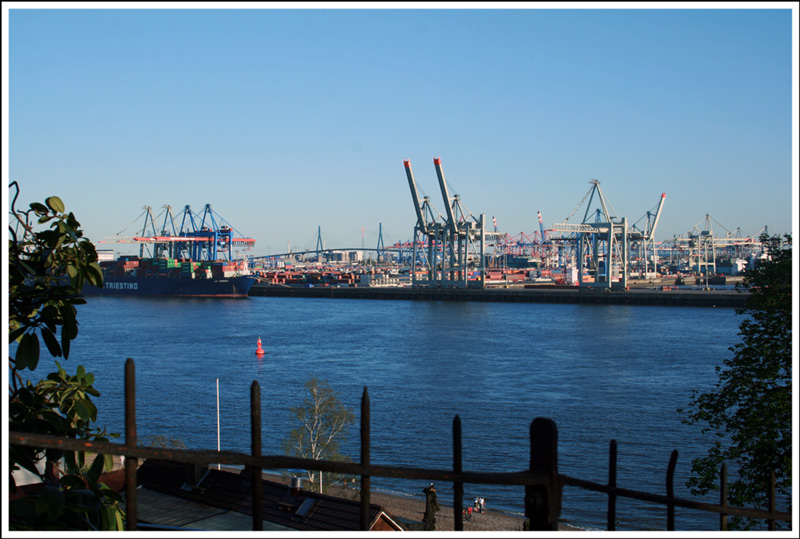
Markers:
point(542, 481)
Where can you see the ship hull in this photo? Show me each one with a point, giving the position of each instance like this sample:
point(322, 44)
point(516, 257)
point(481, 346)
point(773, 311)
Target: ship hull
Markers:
point(223, 287)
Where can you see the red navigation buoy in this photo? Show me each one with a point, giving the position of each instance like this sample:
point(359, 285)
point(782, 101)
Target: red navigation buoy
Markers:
point(259, 350)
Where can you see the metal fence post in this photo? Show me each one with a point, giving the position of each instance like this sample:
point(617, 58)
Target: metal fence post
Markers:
point(365, 460)
point(131, 463)
point(255, 442)
point(543, 501)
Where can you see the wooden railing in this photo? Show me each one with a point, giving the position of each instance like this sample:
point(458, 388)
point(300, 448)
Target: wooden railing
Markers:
point(543, 484)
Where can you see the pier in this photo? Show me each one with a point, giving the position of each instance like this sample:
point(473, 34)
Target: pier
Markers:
point(634, 296)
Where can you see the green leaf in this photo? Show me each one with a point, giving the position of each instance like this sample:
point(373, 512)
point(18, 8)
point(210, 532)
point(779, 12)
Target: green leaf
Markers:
point(96, 469)
point(82, 410)
point(69, 329)
point(119, 514)
point(81, 499)
point(94, 274)
point(53, 498)
point(90, 408)
point(23, 510)
point(65, 345)
point(15, 334)
point(56, 421)
point(107, 514)
point(55, 204)
point(108, 462)
point(51, 342)
point(38, 207)
point(27, 356)
point(69, 324)
point(72, 481)
point(27, 267)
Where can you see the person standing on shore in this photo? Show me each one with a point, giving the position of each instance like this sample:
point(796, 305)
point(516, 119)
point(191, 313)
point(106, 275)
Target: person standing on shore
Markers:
point(431, 506)
point(482, 504)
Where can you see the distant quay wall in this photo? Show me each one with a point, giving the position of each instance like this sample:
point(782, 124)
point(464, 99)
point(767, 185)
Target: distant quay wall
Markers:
point(678, 298)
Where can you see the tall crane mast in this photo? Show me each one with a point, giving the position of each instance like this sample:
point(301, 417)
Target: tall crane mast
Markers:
point(427, 231)
point(650, 233)
point(451, 220)
point(652, 229)
point(643, 241)
point(423, 226)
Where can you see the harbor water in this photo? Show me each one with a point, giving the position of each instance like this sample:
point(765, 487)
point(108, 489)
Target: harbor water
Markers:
point(601, 372)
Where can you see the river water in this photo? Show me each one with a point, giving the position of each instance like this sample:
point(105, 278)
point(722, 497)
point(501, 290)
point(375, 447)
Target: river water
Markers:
point(601, 372)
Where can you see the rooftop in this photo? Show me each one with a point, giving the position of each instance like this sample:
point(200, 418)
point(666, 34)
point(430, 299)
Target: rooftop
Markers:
point(176, 495)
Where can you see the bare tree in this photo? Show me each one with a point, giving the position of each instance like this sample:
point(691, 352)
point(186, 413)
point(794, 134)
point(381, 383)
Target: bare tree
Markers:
point(322, 420)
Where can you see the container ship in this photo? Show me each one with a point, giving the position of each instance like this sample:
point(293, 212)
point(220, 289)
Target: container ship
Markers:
point(134, 276)
point(194, 260)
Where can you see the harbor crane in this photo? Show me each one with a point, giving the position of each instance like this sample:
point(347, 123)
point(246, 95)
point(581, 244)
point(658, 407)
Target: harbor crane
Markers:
point(703, 245)
point(467, 234)
point(167, 229)
point(454, 241)
point(199, 237)
point(208, 240)
point(643, 241)
point(428, 232)
point(601, 241)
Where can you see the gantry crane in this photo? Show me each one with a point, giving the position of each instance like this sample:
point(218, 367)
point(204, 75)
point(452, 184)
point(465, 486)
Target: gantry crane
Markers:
point(158, 248)
point(428, 233)
point(601, 241)
point(454, 241)
point(199, 237)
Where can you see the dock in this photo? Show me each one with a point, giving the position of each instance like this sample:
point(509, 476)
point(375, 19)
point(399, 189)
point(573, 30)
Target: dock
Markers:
point(634, 296)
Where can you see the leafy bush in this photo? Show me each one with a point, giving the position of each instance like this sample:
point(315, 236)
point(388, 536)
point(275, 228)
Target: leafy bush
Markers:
point(47, 270)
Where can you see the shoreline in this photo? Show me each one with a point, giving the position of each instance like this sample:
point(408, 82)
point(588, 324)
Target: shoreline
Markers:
point(410, 508)
point(515, 294)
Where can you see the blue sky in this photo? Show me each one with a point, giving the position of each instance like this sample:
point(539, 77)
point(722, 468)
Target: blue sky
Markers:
point(286, 120)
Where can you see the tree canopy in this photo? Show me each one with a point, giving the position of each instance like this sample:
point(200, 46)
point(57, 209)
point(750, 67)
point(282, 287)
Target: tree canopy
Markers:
point(750, 408)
